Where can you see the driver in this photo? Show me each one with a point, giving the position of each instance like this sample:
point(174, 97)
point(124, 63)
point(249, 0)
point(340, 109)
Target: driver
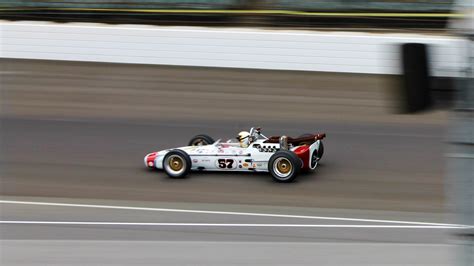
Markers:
point(244, 139)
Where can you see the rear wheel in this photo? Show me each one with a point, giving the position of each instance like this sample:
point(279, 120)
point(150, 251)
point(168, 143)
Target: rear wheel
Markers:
point(177, 164)
point(284, 166)
point(200, 140)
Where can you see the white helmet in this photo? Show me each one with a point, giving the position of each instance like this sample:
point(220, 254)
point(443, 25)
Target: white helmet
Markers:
point(244, 139)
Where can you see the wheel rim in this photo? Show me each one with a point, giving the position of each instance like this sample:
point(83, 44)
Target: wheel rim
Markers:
point(283, 168)
point(175, 164)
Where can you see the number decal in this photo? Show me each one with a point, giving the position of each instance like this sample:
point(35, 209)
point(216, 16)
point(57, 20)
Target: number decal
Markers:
point(221, 163)
point(225, 163)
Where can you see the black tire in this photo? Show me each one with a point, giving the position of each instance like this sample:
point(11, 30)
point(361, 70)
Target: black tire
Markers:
point(177, 164)
point(289, 168)
point(320, 150)
point(201, 139)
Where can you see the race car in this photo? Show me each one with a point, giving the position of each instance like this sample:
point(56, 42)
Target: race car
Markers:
point(283, 157)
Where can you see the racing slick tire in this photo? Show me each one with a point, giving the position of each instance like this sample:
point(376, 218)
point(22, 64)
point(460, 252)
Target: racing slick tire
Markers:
point(201, 139)
point(177, 164)
point(284, 166)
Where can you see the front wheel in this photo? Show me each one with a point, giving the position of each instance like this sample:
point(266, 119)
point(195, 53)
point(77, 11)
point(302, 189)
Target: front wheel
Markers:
point(284, 166)
point(177, 164)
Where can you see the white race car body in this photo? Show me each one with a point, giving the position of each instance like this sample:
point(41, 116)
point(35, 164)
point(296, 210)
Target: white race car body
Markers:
point(230, 156)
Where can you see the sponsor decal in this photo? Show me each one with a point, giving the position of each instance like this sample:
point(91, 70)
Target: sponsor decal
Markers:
point(254, 165)
point(268, 149)
point(245, 164)
point(195, 160)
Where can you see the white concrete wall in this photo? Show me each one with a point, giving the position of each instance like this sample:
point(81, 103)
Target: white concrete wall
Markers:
point(221, 47)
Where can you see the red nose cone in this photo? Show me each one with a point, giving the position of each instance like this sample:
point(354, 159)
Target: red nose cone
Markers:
point(150, 159)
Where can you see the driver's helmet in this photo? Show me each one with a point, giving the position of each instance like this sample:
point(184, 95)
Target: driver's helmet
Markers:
point(244, 139)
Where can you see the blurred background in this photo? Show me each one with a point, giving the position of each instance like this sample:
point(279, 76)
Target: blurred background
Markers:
point(370, 14)
point(90, 87)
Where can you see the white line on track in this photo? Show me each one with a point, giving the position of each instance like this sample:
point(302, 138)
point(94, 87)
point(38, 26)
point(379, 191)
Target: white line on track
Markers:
point(227, 213)
point(235, 225)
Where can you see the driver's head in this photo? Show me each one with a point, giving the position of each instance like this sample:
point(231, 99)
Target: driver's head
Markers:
point(244, 139)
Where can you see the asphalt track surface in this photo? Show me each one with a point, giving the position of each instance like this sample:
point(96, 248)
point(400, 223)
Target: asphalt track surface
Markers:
point(80, 134)
point(72, 129)
point(90, 235)
point(224, 253)
point(364, 167)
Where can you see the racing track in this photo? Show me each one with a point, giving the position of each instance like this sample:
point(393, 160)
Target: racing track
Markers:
point(57, 142)
point(363, 167)
point(77, 133)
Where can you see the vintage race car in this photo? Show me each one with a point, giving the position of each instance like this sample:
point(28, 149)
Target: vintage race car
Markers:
point(284, 157)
